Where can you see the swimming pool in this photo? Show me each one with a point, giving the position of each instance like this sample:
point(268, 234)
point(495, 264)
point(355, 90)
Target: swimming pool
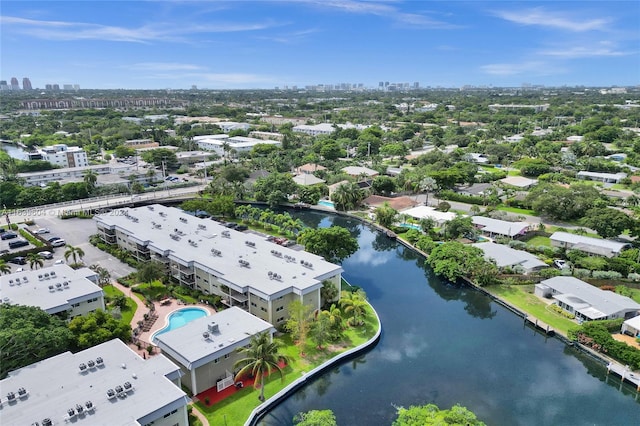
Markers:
point(180, 318)
point(411, 226)
point(326, 203)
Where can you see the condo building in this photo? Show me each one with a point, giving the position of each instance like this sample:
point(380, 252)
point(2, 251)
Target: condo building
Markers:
point(244, 269)
point(108, 384)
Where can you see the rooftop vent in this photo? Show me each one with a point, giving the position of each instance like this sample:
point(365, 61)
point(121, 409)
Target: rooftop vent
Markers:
point(226, 234)
point(91, 363)
point(111, 394)
point(11, 283)
point(58, 285)
point(244, 263)
point(193, 243)
point(89, 405)
point(250, 243)
point(11, 396)
point(82, 366)
point(51, 287)
point(119, 389)
point(205, 334)
point(127, 386)
point(99, 361)
point(216, 252)
point(71, 412)
point(25, 279)
point(163, 214)
point(150, 208)
point(306, 264)
point(46, 275)
point(47, 422)
point(22, 392)
point(213, 327)
point(79, 408)
point(53, 273)
point(201, 226)
point(183, 220)
point(40, 277)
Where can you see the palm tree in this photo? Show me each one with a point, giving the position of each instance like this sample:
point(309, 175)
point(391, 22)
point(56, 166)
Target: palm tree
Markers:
point(90, 178)
point(4, 267)
point(354, 303)
point(35, 259)
point(76, 253)
point(260, 357)
point(428, 184)
point(347, 196)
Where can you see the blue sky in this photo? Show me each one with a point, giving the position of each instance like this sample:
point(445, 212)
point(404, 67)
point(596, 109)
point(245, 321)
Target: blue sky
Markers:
point(264, 44)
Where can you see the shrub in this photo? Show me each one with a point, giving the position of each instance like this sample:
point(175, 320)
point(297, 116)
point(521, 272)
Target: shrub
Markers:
point(634, 277)
point(607, 275)
point(581, 273)
point(518, 245)
point(561, 311)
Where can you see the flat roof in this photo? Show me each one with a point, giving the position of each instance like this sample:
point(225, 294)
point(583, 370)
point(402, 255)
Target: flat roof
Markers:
point(605, 302)
point(157, 223)
point(421, 212)
point(190, 347)
point(52, 289)
point(57, 384)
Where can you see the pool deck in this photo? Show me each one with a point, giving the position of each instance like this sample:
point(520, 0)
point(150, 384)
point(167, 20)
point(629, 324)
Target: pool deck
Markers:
point(162, 310)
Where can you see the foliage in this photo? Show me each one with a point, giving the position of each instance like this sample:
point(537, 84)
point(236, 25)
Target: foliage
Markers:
point(454, 196)
point(97, 327)
point(159, 156)
point(597, 335)
point(315, 418)
point(561, 311)
point(76, 253)
point(260, 357)
point(459, 226)
point(532, 166)
point(454, 260)
point(354, 304)
point(28, 335)
point(562, 203)
point(219, 205)
point(386, 215)
point(275, 189)
point(431, 415)
point(334, 244)
point(150, 271)
point(607, 222)
point(299, 321)
point(348, 196)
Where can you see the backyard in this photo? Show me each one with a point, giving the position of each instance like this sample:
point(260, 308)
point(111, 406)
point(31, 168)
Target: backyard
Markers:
point(111, 293)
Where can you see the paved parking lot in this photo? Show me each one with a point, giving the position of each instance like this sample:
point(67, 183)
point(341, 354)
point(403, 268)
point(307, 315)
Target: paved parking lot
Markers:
point(76, 232)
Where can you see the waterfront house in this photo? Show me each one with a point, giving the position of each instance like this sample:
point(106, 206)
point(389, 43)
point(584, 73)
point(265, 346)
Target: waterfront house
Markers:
point(507, 257)
point(595, 246)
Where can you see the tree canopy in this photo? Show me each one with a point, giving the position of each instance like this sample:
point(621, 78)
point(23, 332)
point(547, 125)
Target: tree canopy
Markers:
point(431, 415)
point(97, 327)
point(29, 334)
point(607, 222)
point(334, 244)
point(454, 260)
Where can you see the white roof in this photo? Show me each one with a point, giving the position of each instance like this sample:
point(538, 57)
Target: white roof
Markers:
point(507, 256)
point(57, 384)
point(590, 300)
point(500, 227)
point(519, 181)
point(52, 289)
point(588, 244)
point(616, 176)
point(307, 179)
point(357, 171)
point(422, 212)
point(633, 322)
point(157, 223)
point(191, 348)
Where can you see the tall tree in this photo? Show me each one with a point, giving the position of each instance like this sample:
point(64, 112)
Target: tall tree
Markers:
point(347, 196)
point(260, 358)
point(607, 222)
point(386, 215)
point(90, 178)
point(298, 322)
point(334, 244)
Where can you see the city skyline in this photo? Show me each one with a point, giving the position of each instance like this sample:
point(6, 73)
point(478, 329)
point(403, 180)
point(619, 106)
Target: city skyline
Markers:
point(242, 45)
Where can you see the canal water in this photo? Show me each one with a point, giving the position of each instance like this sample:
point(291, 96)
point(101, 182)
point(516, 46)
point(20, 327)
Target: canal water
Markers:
point(449, 344)
point(14, 151)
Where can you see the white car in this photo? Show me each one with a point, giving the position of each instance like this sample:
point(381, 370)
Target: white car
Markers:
point(560, 264)
point(58, 243)
point(20, 270)
point(59, 262)
point(42, 231)
point(46, 255)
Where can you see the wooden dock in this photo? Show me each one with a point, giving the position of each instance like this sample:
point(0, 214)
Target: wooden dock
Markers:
point(625, 374)
point(539, 324)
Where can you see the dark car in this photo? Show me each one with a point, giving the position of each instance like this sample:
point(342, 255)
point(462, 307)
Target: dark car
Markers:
point(18, 243)
point(8, 235)
point(18, 260)
point(231, 225)
point(241, 228)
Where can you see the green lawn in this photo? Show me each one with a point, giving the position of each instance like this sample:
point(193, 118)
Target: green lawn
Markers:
point(516, 210)
point(539, 240)
point(523, 298)
point(130, 310)
point(235, 410)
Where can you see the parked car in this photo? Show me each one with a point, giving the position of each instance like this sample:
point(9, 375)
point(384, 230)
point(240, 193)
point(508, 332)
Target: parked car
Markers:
point(59, 243)
point(42, 231)
point(241, 228)
point(18, 243)
point(52, 239)
point(19, 260)
point(8, 235)
point(20, 270)
point(560, 264)
point(46, 255)
point(59, 262)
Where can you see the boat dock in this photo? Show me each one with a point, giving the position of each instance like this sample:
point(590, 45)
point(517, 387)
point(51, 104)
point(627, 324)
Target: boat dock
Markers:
point(539, 324)
point(625, 374)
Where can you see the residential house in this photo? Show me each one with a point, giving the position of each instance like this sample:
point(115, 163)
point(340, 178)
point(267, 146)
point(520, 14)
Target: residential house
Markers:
point(426, 212)
point(519, 182)
point(507, 257)
point(602, 177)
point(585, 301)
point(596, 246)
point(357, 171)
point(631, 326)
point(496, 227)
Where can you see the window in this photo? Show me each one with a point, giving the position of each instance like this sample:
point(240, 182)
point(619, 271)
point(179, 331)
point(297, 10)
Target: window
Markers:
point(279, 309)
point(263, 309)
point(217, 360)
point(226, 356)
point(75, 305)
point(253, 304)
point(280, 319)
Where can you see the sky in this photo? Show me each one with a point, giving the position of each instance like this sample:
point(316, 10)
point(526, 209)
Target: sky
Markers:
point(265, 44)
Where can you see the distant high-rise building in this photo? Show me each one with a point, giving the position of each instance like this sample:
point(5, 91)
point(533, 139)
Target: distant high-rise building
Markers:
point(48, 87)
point(14, 84)
point(381, 84)
point(416, 85)
point(4, 85)
point(26, 84)
point(67, 87)
point(76, 87)
point(56, 87)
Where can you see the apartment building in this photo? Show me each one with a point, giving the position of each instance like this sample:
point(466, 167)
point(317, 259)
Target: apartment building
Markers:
point(245, 269)
point(108, 384)
point(68, 174)
point(65, 156)
point(55, 289)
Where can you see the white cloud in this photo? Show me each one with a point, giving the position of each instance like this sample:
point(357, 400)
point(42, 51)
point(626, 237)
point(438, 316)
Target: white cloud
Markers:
point(162, 66)
point(544, 18)
point(511, 69)
point(68, 31)
point(584, 52)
